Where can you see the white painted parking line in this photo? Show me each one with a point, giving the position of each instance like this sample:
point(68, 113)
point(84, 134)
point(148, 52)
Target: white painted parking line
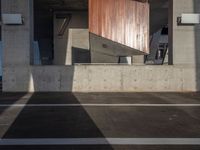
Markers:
point(4, 124)
point(100, 105)
point(103, 141)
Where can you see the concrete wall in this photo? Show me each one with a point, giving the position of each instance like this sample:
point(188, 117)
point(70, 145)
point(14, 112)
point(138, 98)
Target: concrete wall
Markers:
point(80, 46)
point(73, 49)
point(76, 35)
point(106, 51)
point(185, 39)
point(17, 45)
point(104, 78)
point(138, 59)
point(97, 58)
point(17, 38)
point(1, 59)
point(185, 46)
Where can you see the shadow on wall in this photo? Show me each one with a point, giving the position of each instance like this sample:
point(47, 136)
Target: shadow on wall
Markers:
point(52, 78)
point(80, 56)
point(197, 45)
point(63, 42)
point(54, 122)
point(43, 33)
point(46, 51)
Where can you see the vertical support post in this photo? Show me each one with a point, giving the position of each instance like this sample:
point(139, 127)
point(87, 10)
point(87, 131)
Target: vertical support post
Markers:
point(170, 28)
point(17, 45)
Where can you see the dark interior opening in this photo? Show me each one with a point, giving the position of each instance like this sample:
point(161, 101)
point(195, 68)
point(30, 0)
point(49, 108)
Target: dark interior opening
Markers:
point(159, 37)
point(1, 56)
point(45, 14)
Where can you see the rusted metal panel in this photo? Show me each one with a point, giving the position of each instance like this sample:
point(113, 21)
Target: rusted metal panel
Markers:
point(122, 21)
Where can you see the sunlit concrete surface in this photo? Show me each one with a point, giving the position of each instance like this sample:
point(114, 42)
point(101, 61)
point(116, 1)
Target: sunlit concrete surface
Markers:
point(107, 121)
point(21, 75)
point(101, 78)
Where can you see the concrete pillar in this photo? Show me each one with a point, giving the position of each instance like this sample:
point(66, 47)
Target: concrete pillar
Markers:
point(186, 45)
point(17, 45)
point(185, 41)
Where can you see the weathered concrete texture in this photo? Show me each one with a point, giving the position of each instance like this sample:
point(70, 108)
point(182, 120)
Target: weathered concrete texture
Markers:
point(97, 57)
point(75, 36)
point(17, 39)
point(186, 46)
point(80, 46)
point(52, 78)
point(185, 38)
point(138, 59)
point(77, 41)
point(103, 46)
point(16, 78)
point(73, 49)
point(17, 45)
point(104, 78)
point(133, 78)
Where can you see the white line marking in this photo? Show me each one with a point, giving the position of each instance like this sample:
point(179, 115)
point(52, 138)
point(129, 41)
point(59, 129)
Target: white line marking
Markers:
point(103, 141)
point(100, 105)
point(4, 124)
point(7, 113)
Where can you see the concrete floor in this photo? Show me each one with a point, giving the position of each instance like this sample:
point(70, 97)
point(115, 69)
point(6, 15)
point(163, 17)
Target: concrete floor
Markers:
point(136, 115)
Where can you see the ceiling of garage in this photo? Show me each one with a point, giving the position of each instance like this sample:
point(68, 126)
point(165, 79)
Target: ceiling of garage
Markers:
point(83, 4)
point(62, 4)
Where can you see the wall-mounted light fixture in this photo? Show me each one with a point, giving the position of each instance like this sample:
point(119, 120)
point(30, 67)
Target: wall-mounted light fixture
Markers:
point(12, 19)
point(188, 19)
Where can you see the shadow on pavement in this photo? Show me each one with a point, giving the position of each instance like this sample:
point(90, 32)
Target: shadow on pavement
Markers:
point(9, 98)
point(51, 122)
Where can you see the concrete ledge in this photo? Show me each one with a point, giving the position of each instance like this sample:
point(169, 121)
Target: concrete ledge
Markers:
point(101, 78)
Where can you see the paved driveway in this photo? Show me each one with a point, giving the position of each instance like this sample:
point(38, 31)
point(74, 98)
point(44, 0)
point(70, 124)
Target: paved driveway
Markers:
point(107, 121)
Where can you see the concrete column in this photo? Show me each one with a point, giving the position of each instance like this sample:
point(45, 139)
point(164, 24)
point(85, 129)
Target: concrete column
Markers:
point(17, 45)
point(186, 45)
point(185, 42)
